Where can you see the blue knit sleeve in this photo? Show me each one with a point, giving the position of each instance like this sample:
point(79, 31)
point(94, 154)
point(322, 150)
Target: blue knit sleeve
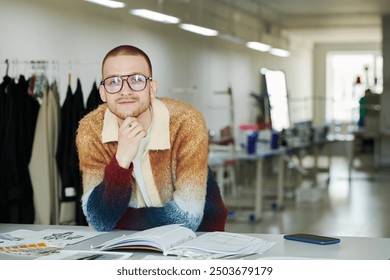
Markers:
point(106, 210)
point(102, 213)
point(148, 217)
point(106, 203)
point(213, 218)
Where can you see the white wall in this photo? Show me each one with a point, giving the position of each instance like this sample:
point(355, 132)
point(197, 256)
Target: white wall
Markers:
point(77, 35)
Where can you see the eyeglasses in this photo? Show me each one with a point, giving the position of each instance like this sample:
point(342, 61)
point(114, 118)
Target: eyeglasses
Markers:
point(136, 82)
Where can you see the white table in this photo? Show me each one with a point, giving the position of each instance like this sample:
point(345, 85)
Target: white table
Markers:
point(350, 248)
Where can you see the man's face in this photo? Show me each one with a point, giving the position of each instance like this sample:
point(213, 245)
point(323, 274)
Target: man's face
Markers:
point(127, 102)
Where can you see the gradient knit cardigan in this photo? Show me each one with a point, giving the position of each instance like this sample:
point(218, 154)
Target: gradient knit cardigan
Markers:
point(175, 168)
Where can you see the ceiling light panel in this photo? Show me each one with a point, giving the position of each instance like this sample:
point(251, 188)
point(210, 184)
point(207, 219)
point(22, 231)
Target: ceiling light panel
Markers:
point(108, 3)
point(280, 52)
point(258, 46)
point(155, 16)
point(198, 29)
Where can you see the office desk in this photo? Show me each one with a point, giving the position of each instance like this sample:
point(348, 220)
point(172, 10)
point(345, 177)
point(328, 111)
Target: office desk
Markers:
point(216, 162)
point(313, 148)
point(259, 159)
point(358, 138)
point(350, 248)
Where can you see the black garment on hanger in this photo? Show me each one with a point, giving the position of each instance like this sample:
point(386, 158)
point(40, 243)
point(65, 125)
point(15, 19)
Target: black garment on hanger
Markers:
point(5, 107)
point(68, 164)
point(16, 204)
point(64, 147)
point(94, 99)
point(78, 114)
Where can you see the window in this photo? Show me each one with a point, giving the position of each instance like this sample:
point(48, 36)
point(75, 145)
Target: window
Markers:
point(278, 99)
point(349, 75)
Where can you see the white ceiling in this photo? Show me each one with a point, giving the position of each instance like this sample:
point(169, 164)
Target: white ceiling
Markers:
point(322, 20)
point(316, 20)
point(315, 13)
point(332, 21)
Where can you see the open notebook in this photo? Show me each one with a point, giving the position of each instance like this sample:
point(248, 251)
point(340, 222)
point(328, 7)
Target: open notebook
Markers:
point(180, 241)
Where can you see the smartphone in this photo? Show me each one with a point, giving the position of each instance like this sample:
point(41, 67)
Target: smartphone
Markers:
point(312, 238)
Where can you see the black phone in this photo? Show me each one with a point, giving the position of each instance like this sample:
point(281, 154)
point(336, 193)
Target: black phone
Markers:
point(312, 238)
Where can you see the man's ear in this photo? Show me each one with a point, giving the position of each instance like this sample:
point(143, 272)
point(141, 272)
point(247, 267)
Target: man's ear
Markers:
point(153, 88)
point(102, 93)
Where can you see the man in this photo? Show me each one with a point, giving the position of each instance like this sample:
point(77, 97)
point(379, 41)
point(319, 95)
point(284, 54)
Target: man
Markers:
point(144, 159)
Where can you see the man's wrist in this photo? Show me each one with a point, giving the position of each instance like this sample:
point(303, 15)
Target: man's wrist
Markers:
point(124, 163)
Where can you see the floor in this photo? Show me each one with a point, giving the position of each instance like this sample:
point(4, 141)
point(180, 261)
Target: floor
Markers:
point(356, 207)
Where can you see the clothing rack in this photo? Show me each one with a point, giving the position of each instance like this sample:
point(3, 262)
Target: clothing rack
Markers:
point(51, 61)
point(58, 128)
point(48, 66)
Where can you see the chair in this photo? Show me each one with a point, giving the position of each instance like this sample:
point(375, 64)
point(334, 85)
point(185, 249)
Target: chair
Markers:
point(222, 157)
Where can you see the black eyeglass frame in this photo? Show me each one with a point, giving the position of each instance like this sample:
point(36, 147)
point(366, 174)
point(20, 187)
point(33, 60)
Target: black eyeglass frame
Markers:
point(127, 81)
